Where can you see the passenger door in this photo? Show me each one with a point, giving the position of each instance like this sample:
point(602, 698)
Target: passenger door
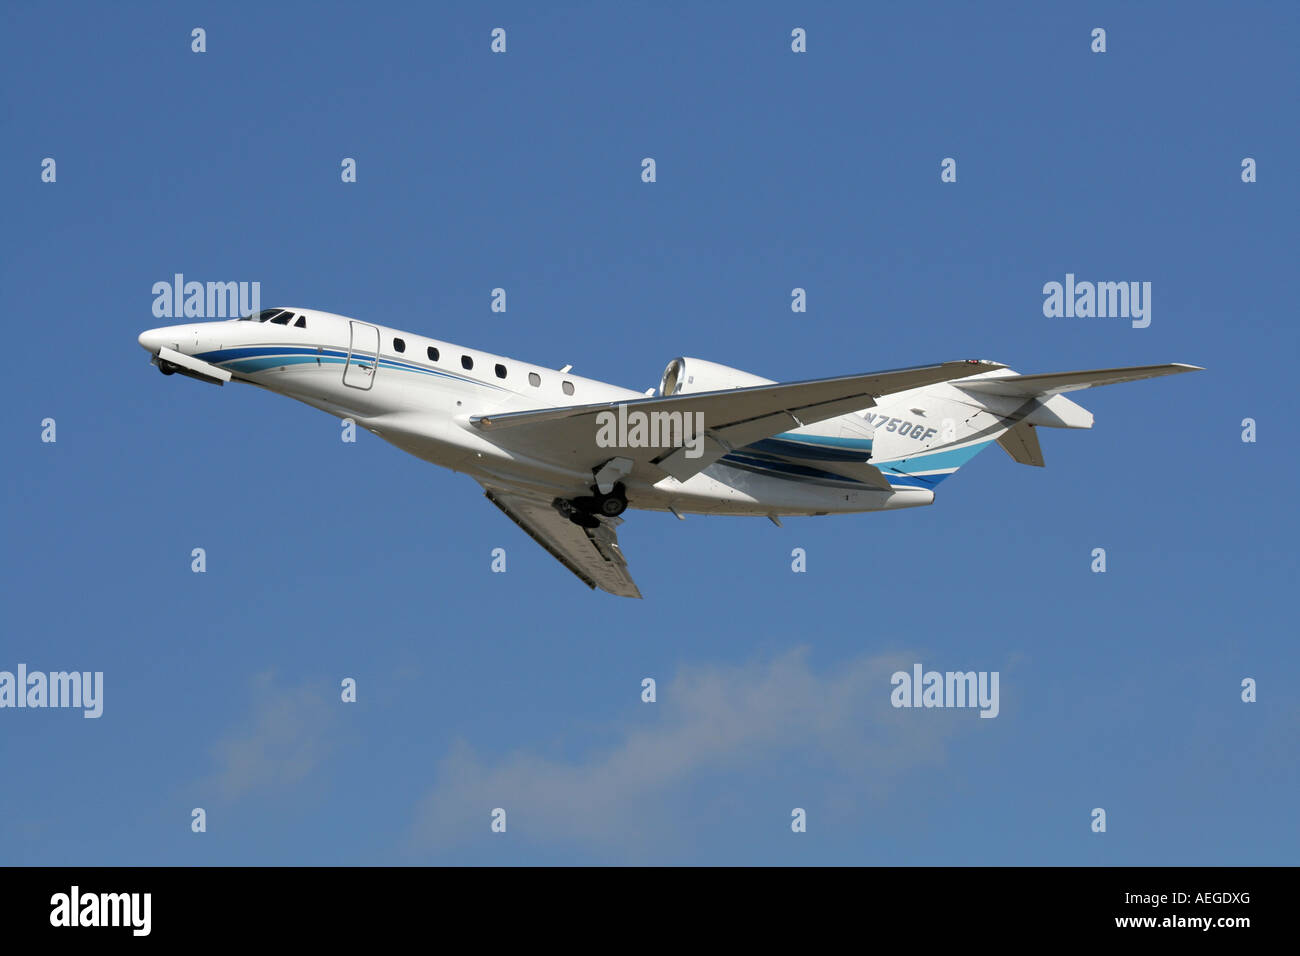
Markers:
point(363, 356)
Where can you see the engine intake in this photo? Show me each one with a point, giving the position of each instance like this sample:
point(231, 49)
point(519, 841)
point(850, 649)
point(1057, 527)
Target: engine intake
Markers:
point(685, 375)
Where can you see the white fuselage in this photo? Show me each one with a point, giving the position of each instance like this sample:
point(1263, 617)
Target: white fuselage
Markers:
point(418, 394)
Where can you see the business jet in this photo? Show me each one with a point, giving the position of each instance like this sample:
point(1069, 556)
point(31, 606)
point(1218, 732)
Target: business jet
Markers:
point(564, 456)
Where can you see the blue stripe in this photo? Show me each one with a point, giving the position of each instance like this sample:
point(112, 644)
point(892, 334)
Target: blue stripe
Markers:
point(860, 443)
point(918, 481)
point(901, 472)
point(953, 459)
point(261, 364)
point(260, 358)
point(786, 468)
point(220, 355)
point(811, 452)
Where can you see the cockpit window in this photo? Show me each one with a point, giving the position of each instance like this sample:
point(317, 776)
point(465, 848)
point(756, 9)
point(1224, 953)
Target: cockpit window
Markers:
point(260, 316)
point(284, 318)
point(301, 323)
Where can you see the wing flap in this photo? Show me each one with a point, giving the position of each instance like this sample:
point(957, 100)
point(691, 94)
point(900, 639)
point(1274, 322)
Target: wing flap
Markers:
point(594, 556)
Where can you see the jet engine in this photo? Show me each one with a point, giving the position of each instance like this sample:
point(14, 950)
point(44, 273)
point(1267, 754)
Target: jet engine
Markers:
point(685, 375)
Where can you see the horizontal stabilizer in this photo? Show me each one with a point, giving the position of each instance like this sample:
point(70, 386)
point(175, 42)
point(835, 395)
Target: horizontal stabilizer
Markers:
point(1021, 443)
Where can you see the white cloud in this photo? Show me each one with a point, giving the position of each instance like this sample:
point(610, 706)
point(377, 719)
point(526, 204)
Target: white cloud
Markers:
point(738, 719)
point(285, 736)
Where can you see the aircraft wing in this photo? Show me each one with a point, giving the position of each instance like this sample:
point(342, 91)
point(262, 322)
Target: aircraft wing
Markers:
point(593, 555)
point(1053, 383)
point(732, 418)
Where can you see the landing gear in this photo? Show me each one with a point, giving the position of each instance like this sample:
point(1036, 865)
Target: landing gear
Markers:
point(583, 519)
point(611, 505)
point(585, 509)
point(166, 367)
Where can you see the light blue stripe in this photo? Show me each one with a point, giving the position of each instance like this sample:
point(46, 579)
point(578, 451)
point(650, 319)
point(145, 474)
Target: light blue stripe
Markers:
point(954, 459)
point(855, 443)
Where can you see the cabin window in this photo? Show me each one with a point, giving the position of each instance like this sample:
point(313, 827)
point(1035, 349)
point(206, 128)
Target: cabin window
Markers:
point(301, 323)
point(466, 362)
point(432, 353)
point(399, 345)
point(534, 379)
point(568, 387)
point(284, 318)
point(501, 370)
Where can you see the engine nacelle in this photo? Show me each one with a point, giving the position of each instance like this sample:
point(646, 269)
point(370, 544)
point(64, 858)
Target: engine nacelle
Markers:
point(685, 375)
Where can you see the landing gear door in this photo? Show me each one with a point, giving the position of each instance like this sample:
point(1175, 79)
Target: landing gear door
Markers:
point(363, 356)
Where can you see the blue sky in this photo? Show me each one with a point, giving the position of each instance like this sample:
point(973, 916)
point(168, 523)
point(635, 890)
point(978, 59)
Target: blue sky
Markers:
point(522, 690)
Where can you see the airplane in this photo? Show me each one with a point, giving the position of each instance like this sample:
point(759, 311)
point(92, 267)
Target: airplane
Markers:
point(564, 456)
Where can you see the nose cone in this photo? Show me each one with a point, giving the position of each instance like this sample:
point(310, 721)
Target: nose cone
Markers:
point(152, 340)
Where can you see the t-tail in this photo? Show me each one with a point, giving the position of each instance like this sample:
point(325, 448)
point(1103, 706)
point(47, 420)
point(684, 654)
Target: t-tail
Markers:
point(924, 435)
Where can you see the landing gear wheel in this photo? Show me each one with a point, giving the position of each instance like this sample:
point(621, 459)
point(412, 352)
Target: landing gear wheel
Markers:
point(611, 505)
point(585, 510)
point(166, 367)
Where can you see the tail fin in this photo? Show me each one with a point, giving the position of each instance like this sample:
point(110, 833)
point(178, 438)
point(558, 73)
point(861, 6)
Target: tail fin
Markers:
point(924, 435)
